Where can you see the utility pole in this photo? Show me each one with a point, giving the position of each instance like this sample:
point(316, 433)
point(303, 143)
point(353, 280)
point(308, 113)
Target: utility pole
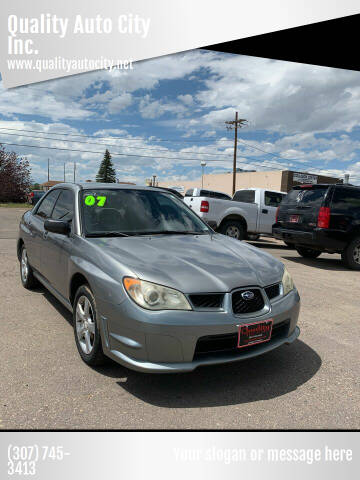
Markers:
point(237, 123)
point(48, 169)
point(74, 171)
point(64, 172)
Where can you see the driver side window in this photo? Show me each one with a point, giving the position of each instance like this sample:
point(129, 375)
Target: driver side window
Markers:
point(46, 206)
point(64, 207)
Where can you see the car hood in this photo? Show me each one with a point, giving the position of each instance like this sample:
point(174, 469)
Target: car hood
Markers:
point(193, 263)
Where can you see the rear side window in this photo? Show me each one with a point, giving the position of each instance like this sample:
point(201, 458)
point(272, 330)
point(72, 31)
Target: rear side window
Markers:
point(46, 206)
point(189, 193)
point(273, 199)
point(64, 207)
point(305, 197)
point(222, 196)
point(246, 196)
point(346, 198)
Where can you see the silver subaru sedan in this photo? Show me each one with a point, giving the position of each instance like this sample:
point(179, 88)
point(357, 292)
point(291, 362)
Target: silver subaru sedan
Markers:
point(149, 284)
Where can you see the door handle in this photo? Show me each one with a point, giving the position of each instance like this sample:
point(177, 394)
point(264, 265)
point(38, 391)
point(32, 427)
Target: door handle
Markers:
point(264, 210)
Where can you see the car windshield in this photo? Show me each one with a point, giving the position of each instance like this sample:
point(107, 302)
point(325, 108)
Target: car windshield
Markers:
point(121, 212)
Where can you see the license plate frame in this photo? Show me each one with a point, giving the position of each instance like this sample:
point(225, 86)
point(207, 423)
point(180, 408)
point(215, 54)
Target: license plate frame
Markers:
point(294, 218)
point(259, 332)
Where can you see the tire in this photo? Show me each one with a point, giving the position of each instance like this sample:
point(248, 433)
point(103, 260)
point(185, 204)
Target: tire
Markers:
point(86, 331)
point(308, 252)
point(26, 272)
point(252, 237)
point(351, 255)
point(290, 245)
point(233, 229)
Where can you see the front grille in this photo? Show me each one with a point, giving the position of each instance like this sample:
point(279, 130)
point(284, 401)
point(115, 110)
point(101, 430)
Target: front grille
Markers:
point(213, 300)
point(227, 343)
point(273, 291)
point(241, 306)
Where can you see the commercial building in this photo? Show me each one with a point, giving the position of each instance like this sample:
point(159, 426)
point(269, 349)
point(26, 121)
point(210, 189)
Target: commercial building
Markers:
point(281, 180)
point(47, 185)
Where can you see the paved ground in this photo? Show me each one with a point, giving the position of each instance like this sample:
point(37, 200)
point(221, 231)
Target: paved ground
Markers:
point(314, 383)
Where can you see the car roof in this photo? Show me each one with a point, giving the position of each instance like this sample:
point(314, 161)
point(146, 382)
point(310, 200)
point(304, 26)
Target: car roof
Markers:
point(325, 185)
point(107, 186)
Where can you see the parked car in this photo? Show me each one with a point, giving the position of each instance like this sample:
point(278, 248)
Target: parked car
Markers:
point(322, 218)
point(34, 196)
point(250, 212)
point(149, 283)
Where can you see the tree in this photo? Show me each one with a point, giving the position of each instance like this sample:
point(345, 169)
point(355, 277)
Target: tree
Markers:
point(36, 186)
point(14, 177)
point(106, 172)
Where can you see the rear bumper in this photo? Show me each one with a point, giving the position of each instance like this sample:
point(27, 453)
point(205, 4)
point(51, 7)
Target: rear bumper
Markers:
point(319, 239)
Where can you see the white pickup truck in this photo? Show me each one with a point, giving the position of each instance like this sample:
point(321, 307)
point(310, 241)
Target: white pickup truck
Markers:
point(250, 213)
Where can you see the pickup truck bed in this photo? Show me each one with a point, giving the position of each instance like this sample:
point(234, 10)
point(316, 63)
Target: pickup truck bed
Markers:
point(251, 211)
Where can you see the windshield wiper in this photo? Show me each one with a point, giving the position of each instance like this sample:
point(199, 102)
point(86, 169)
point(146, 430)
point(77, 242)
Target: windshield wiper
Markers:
point(107, 234)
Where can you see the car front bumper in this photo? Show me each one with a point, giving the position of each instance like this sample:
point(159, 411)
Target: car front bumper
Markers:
point(165, 341)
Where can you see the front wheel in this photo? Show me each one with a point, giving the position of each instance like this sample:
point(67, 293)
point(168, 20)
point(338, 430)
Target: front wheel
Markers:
point(233, 229)
point(26, 272)
point(351, 255)
point(308, 252)
point(87, 334)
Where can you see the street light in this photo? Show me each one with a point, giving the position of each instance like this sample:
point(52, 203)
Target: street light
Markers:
point(203, 165)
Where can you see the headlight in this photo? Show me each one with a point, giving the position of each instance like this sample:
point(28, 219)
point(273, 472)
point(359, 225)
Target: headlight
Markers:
point(155, 297)
point(287, 281)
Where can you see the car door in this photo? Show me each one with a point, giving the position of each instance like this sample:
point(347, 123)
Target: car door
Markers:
point(36, 228)
point(57, 247)
point(268, 205)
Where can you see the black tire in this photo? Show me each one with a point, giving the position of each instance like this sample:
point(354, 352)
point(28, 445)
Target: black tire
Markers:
point(351, 255)
point(237, 228)
point(308, 252)
point(95, 356)
point(26, 272)
point(290, 245)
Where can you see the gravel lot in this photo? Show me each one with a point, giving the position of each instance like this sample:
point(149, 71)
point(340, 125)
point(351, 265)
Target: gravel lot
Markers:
point(312, 384)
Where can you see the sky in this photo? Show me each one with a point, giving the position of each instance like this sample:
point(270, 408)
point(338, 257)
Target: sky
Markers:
point(168, 114)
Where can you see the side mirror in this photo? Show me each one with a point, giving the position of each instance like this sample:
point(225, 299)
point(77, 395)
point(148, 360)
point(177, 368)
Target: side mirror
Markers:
point(57, 226)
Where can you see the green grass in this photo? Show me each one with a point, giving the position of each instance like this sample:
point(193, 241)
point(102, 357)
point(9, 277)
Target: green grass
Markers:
point(15, 205)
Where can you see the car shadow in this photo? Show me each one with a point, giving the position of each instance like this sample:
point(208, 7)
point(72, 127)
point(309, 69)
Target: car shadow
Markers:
point(59, 307)
point(322, 263)
point(261, 378)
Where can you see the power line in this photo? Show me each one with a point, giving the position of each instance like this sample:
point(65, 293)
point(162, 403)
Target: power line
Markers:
point(278, 156)
point(264, 151)
point(111, 144)
point(139, 156)
point(114, 137)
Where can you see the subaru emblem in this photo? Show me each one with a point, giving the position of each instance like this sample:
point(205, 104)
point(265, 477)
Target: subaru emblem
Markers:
point(247, 295)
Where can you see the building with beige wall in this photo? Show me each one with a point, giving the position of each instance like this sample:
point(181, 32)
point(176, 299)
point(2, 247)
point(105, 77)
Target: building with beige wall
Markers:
point(281, 180)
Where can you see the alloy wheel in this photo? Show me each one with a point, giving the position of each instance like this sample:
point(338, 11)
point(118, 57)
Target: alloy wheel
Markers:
point(85, 324)
point(24, 265)
point(233, 231)
point(356, 254)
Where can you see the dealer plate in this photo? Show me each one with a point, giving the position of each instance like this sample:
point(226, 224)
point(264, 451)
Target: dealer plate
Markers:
point(253, 333)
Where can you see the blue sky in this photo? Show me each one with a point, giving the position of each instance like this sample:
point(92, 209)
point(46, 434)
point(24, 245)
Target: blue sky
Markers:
point(167, 115)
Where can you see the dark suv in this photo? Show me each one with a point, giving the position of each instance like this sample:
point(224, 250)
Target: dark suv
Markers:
point(321, 218)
